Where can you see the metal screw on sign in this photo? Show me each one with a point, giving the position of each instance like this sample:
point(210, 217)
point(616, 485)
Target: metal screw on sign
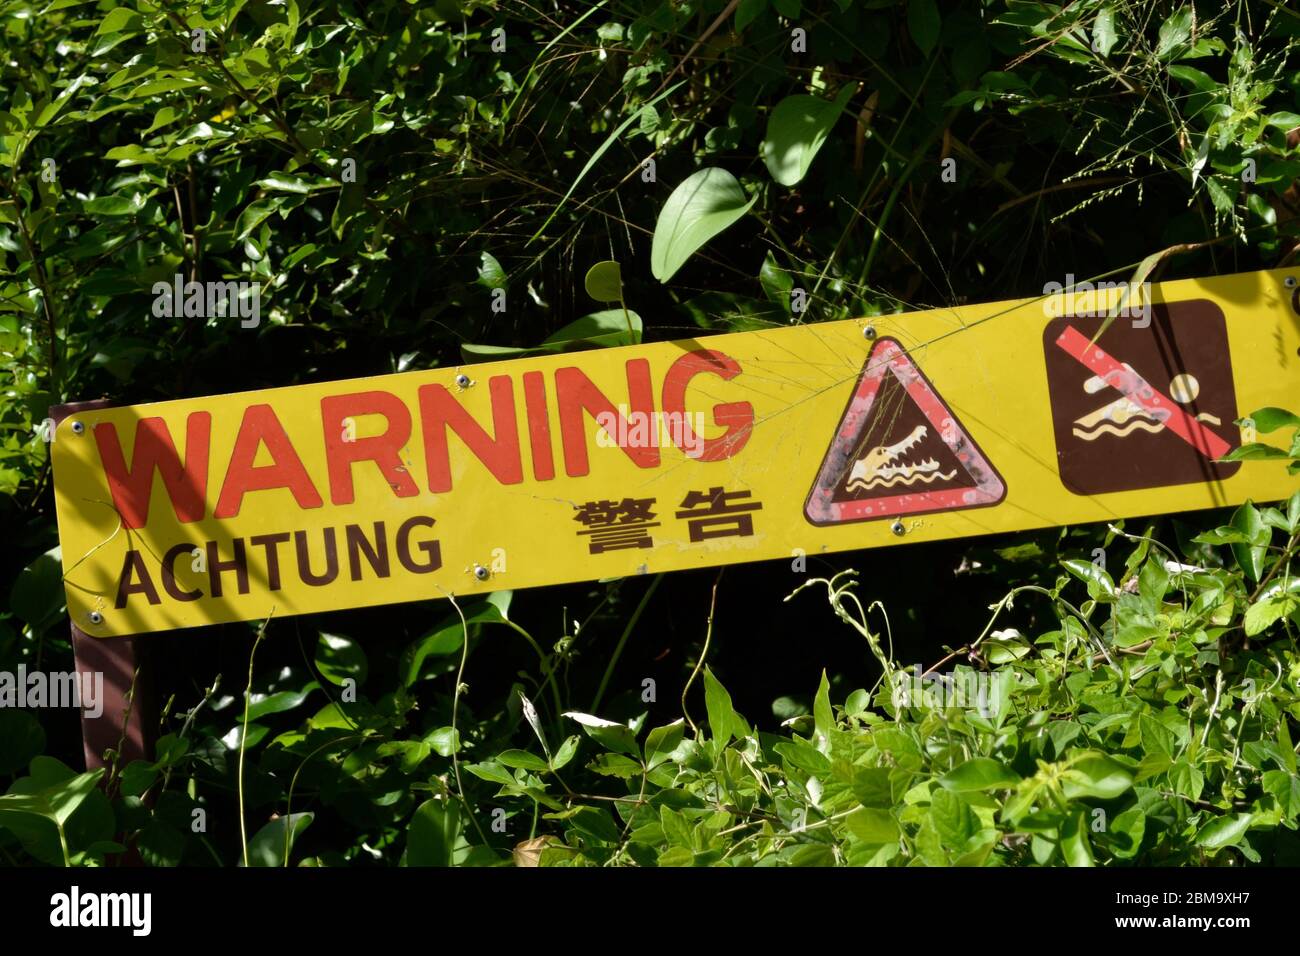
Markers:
point(481, 572)
point(869, 332)
point(897, 528)
point(462, 380)
point(78, 428)
point(95, 617)
point(1289, 282)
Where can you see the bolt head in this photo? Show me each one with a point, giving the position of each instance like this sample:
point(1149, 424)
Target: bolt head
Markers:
point(897, 528)
point(1289, 282)
point(869, 332)
point(481, 572)
point(462, 380)
point(78, 428)
point(95, 617)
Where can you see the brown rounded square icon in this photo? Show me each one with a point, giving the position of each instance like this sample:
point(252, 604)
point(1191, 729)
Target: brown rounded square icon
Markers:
point(1151, 403)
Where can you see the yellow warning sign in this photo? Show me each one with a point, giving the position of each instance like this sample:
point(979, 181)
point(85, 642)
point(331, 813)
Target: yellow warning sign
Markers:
point(740, 447)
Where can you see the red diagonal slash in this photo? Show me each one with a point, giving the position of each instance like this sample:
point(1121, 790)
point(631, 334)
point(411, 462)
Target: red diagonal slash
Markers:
point(1140, 392)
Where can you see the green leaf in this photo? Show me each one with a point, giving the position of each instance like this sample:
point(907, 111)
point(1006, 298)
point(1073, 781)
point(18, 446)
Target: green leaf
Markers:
point(604, 282)
point(120, 20)
point(37, 593)
point(662, 741)
point(565, 753)
point(747, 12)
point(1156, 737)
point(522, 760)
point(1261, 615)
point(431, 836)
point(923, 23)
point(1256, 451)
point(873, 826)
point(1093, 774)
point(1126, 832)
point(443, 740)
point(823, 716)
point(1194, 78)
point(283, 182)
point(776, 282)
point(340, 659)
point(606, 329)
point(1074, 841)
point(796, 131)
point(273, 843)
point(1224, 831)
point(952, 818)
point(1175, 34)
point(1103, 31)
point(1250, 557)
point(21, 739)
point(724, 722)
point(1100, 587)
point(979, 773)
point(490, 273)
point(1270, 419)
point(608, 733)
point(705, 204)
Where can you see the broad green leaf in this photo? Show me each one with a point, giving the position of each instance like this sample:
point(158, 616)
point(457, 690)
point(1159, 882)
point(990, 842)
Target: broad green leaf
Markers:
point(1094, 774)
point(604, 282)
point(37, 593)
point(490, 273)
point(724, 722)
point(1270, 419)
point(565, 752)
point(747, 12)
point(1224, 831)
point(431, 836)
point(1175, 34)
point(702, 206)
point(609, 734)
point(443, 740)
point(272, 844)
point(1100, 587)
point(796, 131)
point(21, 739)
point(1261, 615)
point(980, 773)
point(1074, 841)
point(522, 760)
point(340, 659)
point(873, 826)
point(923, 23)
point(1250, 557)
point(1103, 31)
point(662, 741)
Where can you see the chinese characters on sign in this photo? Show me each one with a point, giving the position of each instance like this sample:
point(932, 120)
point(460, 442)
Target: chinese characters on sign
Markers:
point(625, 524)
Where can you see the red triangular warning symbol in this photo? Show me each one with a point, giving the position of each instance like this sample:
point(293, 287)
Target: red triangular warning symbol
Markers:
point(898, 450)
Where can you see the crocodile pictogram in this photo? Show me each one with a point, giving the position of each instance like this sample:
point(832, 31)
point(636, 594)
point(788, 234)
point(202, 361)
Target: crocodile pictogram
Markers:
point(881, 468)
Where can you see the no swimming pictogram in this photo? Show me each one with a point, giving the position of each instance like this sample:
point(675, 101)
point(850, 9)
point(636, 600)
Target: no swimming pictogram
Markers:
point(1143, 406)
point(899, 450)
